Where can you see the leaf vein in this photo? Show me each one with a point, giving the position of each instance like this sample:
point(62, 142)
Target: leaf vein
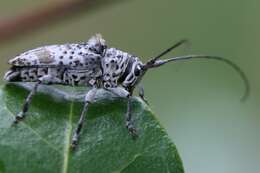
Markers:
point(68, 133)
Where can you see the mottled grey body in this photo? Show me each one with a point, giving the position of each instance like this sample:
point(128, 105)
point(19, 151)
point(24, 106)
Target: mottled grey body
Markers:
point(92, 64)
point(86, 64)
point(74, 64)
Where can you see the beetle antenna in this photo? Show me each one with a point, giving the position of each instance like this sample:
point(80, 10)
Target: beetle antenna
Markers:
point(179, 43)
point(243, 76)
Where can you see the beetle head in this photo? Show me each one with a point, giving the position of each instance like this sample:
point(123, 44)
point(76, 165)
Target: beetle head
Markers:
point(133, 73)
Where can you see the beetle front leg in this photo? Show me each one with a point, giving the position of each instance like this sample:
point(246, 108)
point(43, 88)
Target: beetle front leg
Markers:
point(141, 94)
point(128, 119)
point(88, 99)
point(47, 79)
point(128, 116)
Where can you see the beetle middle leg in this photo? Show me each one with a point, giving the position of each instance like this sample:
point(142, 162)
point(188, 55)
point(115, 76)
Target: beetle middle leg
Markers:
point(88, 99)
point(47, 79)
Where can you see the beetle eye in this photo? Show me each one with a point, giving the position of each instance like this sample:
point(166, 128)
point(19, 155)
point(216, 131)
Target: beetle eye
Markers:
point(137, 70)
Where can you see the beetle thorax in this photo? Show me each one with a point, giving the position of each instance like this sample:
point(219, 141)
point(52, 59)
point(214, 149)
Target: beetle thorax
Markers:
point(118, 68)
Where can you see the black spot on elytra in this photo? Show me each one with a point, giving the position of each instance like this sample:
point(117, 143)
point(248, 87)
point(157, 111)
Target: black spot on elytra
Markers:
point(117, 67)
point(72, 52)
point(60, 63)
point(114, 75)
point(71, 57)
point(61, 57)
point(80, 53)
point(65, 52)
point(77, 62)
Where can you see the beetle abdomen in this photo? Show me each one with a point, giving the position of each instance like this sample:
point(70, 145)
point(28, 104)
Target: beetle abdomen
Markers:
point(73, 55)
point(74, 77)
point(73, 64)
point(25, 74)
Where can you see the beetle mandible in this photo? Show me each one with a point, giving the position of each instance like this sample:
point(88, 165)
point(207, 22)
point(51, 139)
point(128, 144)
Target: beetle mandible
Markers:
point(95, 65)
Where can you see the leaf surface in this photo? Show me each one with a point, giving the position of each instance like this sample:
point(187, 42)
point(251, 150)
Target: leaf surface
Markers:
point(41, 143)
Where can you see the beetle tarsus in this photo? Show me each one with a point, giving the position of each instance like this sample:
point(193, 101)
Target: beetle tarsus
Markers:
point(132, 131)
point(74, 143)
point(19, 117)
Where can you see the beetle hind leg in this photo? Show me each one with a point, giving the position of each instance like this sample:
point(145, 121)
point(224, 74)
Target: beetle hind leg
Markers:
point(47, 79)
point(21, 115)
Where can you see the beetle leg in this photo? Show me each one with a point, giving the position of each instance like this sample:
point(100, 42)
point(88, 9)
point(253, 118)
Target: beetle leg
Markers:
point(26, 104)
point(128, 119)
point(47, 79)
point(141, 94)
point(119, 91)
point(88, 99)
point(128, 116)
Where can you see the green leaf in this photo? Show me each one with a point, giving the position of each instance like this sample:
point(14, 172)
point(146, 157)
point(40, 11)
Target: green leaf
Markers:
point(41, 142)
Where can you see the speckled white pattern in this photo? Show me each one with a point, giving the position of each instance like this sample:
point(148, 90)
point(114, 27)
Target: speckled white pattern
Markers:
point(76, 64)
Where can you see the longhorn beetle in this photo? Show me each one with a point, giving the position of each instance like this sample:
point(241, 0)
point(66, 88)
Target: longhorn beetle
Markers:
point(95, 65)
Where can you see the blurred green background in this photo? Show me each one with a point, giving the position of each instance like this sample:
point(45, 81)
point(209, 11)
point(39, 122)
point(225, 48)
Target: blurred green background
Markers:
point(196, 101)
